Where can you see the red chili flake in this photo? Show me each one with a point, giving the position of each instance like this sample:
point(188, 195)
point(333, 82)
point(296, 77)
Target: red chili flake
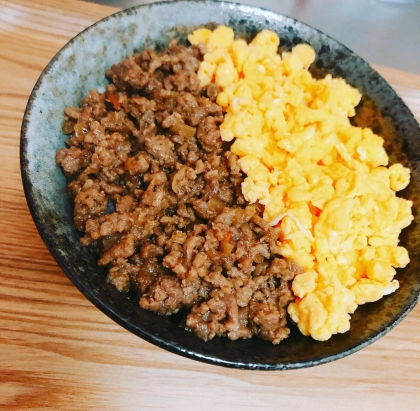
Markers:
point(317, 211)
point(114, 100)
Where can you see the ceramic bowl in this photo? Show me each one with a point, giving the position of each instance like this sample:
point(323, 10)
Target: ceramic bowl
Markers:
point(80, 66)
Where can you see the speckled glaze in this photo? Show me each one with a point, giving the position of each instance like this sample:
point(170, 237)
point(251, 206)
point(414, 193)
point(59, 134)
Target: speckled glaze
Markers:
point(80, 66)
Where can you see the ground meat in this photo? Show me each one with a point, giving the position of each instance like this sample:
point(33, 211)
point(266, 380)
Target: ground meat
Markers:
point(157, 195)
point(209, 134)
point(118, 121)
point(96, 101)
point(128, 75)
point(162, 149)
point(149, 60)
point(89, 203)
point(72, 159)
point(72, 112)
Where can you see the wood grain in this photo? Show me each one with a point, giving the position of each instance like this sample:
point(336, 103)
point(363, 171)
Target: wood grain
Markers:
point(58, 352)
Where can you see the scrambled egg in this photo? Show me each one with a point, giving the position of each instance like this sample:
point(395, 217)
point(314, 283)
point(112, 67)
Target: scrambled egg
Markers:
point(322, 181)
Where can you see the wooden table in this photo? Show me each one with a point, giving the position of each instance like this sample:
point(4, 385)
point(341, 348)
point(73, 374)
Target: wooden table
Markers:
point(58, 352)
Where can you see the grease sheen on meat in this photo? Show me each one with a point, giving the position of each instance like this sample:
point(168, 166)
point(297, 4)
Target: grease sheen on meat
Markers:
point(157, 195)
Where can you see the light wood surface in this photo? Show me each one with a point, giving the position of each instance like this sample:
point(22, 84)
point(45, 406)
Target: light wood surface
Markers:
point(58, 352)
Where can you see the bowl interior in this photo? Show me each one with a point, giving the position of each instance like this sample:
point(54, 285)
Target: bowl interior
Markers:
point(80, 66)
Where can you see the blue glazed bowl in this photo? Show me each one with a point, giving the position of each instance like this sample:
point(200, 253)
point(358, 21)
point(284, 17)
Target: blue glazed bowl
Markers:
point(80, 66)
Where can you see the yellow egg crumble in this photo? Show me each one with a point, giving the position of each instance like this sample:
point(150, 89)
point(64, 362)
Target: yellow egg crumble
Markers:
point(322, 180)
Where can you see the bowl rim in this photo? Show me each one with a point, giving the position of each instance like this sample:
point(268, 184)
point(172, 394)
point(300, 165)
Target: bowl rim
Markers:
point(96, 301)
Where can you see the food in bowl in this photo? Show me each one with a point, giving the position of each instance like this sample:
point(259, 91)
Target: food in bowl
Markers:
point(157, 194)
point(160, 194)
point(323, 181)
